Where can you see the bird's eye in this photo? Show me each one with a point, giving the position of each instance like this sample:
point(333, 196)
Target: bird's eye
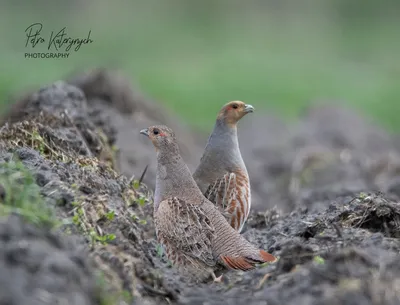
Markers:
point(156, 131)
point(234, 106)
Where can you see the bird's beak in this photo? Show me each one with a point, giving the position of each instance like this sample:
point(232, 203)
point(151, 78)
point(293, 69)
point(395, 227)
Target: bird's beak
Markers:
point(145, 132)
point(248, 108)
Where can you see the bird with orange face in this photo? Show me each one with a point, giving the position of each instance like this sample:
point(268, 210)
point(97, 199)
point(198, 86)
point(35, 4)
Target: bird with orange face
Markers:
point(195, 235)
point(222, 175)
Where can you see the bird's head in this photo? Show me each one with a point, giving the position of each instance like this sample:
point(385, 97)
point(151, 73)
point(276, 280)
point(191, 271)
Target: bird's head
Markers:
point(162, 137)
point(233, 111)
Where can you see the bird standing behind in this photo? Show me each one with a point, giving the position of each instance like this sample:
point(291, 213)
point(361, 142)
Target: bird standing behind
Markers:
point(222, 175)
point(194, 233)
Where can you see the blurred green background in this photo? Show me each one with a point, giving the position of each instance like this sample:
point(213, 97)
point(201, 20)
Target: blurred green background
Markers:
point(193, 56)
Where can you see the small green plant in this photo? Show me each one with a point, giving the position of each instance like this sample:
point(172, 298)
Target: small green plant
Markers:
point(135, 184)
point(319, 260)
point(21, 195)
point(103, 239)
point(114, 148)
point(78, 214)
point(160, 250)
point(37, 137)
point(110, 215)
point(362, 195)
point(143, 221)
point(137, 219)
point(79, 220)
point(142, 201)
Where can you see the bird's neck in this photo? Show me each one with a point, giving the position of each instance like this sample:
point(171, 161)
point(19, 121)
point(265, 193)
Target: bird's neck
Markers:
point(174, 179)
point(223, 145)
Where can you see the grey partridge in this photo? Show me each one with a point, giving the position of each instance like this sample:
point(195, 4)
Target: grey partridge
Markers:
point(195, 235)
point(222, 175)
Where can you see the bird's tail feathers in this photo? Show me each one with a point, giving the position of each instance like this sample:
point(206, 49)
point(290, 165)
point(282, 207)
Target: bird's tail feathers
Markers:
point(238, 263)
point(267, 257)
point(247, 263)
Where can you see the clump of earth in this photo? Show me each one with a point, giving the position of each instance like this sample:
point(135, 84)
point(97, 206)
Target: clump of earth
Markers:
point(325, 201)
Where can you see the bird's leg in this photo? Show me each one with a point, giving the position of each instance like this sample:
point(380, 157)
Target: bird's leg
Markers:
point(216, 279)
